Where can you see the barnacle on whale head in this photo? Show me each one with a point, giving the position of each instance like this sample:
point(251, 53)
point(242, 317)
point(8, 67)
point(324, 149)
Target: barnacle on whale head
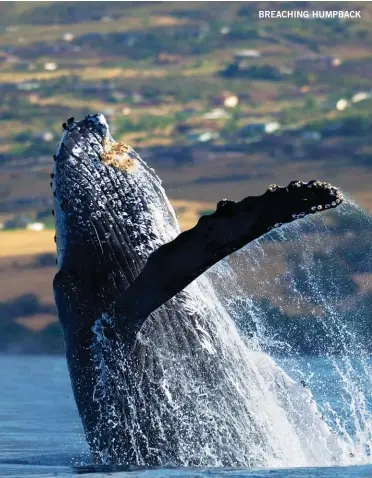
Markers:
point(116, 154)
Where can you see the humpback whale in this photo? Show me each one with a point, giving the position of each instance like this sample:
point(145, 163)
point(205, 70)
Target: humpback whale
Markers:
point(159, 372)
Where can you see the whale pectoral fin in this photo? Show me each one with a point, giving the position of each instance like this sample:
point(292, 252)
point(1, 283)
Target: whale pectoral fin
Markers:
point(233, 225)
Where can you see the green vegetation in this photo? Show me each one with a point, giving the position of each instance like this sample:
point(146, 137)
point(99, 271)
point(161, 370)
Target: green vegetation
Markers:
point(144, 123)
point(161, 72)
point(156, 70)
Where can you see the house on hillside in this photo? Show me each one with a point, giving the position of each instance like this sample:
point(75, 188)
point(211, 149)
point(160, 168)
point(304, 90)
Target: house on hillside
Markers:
point(317, 62)
point(311, 135)
point(126, 111)
point(248, 54)
point(50, 66)
point(342, 104)
point(217, 113)
point(167, 59)
point(17, 222)
point(118, 96)
point(202, 136)
point(259, 129)
point(226, 99)
point(68, 36)
point(225, 30)
point(361, 96)
point(35, 226)
point(11, 58)
point(137, 97)
point(28, 85)
point(47, 136)
point(106, 19)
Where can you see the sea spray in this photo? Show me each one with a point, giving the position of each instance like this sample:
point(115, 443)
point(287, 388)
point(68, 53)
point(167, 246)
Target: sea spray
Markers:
point(337, 327)
point(202, 392)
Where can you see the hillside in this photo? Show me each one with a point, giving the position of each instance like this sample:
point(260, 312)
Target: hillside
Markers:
point(219, 102)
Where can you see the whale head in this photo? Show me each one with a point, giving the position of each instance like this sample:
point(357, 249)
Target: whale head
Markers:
point(110, 211)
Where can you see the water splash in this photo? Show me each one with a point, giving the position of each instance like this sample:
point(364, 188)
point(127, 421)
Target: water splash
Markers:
point(200, 391)
point(295, 294)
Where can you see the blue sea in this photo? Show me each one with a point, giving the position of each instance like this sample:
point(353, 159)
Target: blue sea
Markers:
point(41, 434)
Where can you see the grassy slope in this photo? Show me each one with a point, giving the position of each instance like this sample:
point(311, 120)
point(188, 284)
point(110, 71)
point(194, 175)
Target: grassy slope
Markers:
point(23, 243)
point(27, 28)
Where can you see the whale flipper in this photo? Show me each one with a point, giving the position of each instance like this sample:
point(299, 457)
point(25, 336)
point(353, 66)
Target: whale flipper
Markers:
point(176, 264)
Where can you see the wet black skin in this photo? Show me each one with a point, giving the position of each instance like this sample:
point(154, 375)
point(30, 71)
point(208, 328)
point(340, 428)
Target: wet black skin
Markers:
point(100, 271)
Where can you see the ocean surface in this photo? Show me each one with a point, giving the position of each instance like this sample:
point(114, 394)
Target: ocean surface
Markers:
point(41, 434)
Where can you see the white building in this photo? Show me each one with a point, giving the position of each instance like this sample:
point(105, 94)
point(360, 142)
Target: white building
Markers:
point(231, 101)
point(47, 136)
point(35, 226)
point(246, 54)
point(50, 66)
point(342, 104)
point(217, 113)
point(258, 129)
point(361, 96)
point(202, 136)
point(68, 36)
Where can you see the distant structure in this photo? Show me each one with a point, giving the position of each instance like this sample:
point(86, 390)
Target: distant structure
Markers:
point(68, 36)
point(35, 226)
point(33, 99)
point(226, 99)
point(17, 222)
point(311, 136)
point(137, 97)
point(106, 19)
point(342, 104)
point(28, 85)
point(217, 113)
point(260, 128)
point(225, 30)
point(50, 66)
point(202, 136)
point(126, 111)
point(11, 59)
point(118, 96)
point(242, 55)
point(47, 136)
point(361, 96)
point(317, 62)
point(167, 59)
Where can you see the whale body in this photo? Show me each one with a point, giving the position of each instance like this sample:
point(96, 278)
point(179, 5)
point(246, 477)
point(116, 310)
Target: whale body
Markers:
point(160, 374)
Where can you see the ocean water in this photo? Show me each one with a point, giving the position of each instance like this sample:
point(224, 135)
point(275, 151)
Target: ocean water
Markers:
point(41, 434)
